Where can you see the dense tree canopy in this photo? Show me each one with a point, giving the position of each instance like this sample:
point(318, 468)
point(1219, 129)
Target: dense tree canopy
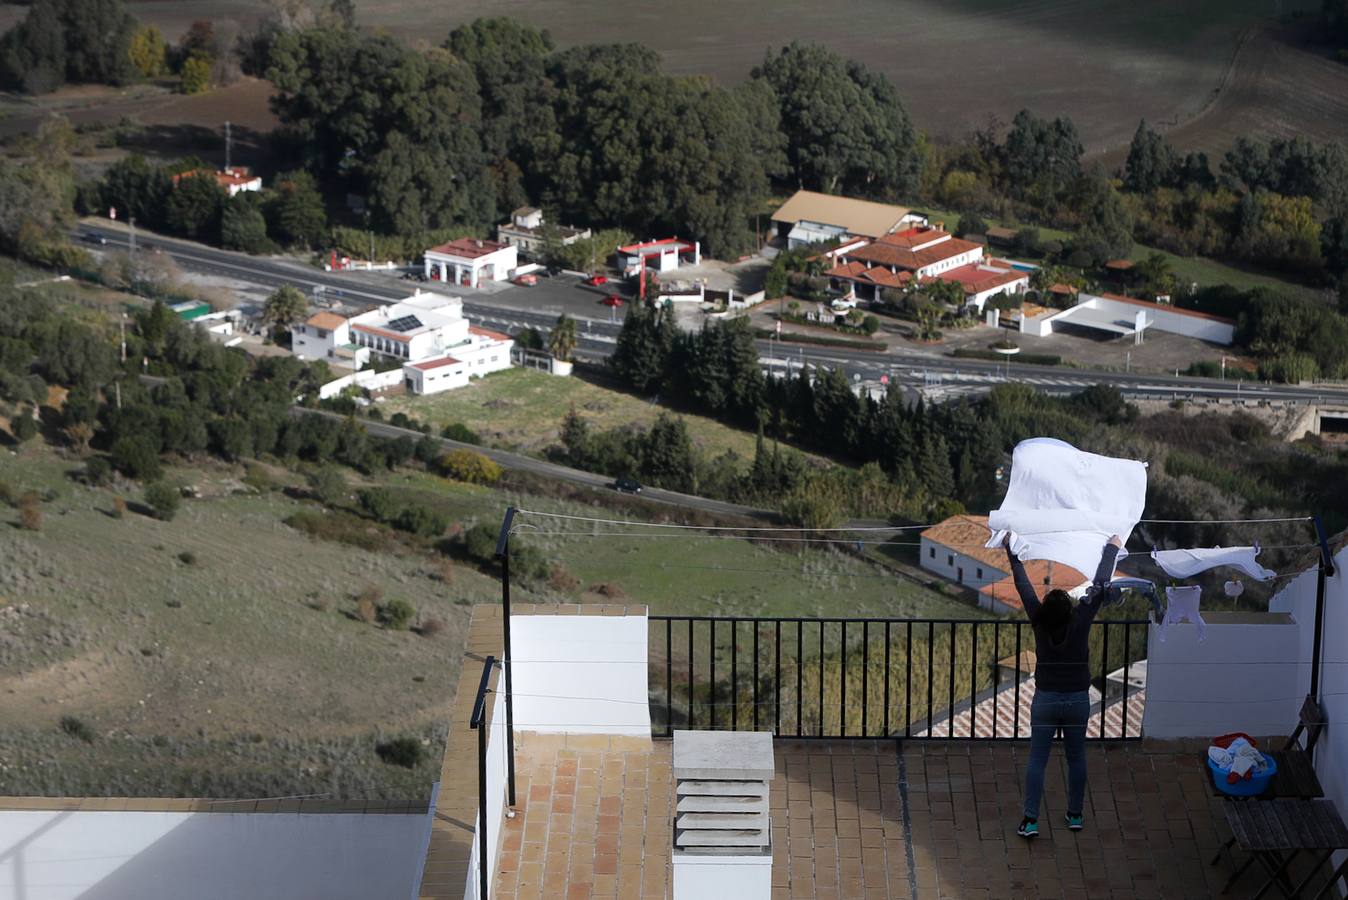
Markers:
point(82, 41)
point(845, 127)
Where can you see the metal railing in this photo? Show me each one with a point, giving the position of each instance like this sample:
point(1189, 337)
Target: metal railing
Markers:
point(944, 679)
point(477, 724)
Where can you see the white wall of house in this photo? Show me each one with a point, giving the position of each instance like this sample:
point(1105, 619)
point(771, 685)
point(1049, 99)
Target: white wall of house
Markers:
point(1016, 287)
point(954, 262)
point(1163, 318)
point(464, 272)
point(433, 381)
point(64, 855)
point(581, 674)
point(368, 379)
point(950, 563)
point(1245, 677)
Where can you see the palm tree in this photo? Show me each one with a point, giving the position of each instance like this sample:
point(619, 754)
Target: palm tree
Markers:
point(562, 338)
point(284, 307)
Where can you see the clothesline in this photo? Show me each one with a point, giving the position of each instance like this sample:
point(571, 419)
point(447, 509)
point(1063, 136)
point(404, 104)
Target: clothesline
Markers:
point(865, 528)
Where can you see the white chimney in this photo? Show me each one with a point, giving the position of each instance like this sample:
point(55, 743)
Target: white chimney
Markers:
point(722, 826)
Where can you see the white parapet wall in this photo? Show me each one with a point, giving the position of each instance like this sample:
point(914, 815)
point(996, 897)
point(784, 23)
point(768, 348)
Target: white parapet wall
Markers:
point(580, 674)
point(1246, 676)
point(496, 797)
point(103, 855)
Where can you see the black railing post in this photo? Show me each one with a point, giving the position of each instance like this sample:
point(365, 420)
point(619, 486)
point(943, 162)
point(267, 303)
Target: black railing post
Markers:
point(503, 551)
point(1325, 570)
point(479, 711)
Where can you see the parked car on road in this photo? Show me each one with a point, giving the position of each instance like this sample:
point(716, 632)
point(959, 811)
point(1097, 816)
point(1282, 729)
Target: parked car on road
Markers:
point(94, 237)
point(612, 300)
point(526, 280)
point(627, 486)
point(596, 279)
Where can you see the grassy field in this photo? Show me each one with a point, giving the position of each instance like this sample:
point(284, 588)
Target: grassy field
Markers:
point(955, 63)
point(1187, 269)
point(220, 654)
point(522, 410)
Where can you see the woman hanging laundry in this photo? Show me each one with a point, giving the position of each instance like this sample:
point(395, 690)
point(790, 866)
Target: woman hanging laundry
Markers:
point(1062, 682)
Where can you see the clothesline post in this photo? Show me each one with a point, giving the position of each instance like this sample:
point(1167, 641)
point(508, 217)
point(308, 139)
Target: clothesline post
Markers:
point(1325, 570)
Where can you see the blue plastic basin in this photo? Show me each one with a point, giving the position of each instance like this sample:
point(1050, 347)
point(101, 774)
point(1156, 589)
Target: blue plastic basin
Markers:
point(1243, 788)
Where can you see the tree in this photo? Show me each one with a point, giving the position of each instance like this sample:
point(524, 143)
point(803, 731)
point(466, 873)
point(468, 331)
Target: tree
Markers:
point(295, 212)
point(242, 226)
point(194, 206)
point(164, 499)
point(1151, 163)
point(137, 189)
point(148, 52)
point(845, 127)
point(328, 484)
point(1105, 221)
point(470, 466)
point(284, 307)
point(195, 74)
point(1040, 158)
point(587, 254)
point(82, 41)
point(971, 223)
point(562, 338)
point(667, 454)
point(23, 426)
point(642, 352)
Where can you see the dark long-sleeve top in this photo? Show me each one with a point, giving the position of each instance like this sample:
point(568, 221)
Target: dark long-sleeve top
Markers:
point(1062, 663)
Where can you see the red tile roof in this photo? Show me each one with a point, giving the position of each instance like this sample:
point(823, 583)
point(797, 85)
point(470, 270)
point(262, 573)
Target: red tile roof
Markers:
point(391, 335)
point(977, 279)
point(328, 320)
point(488, 333)
point(882, 253)
point(967, 535)
point(438, 362)
point(915, 237)
point(468, 248)
point(1044, 575)
point(1174, 309)
point(859, 271)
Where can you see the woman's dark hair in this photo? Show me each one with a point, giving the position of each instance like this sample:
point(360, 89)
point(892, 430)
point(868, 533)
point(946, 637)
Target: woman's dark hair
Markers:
point(1055, 611)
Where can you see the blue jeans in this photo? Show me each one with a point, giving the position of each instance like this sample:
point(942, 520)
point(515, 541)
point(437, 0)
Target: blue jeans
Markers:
point(1050, 711)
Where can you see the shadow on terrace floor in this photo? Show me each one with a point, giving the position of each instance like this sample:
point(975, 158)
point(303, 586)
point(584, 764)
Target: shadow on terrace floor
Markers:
point(873, 819)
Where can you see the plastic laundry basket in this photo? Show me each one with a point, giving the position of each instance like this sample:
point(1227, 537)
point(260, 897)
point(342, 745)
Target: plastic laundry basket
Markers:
point(1255, 784)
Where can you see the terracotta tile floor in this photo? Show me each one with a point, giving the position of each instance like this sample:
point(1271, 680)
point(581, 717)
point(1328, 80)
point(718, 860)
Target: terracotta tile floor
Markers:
point(867, 819)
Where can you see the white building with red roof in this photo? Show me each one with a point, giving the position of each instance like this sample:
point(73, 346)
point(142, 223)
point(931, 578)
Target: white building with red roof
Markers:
point(468, 262)
point(923, 253)
point(233, 180)
point(663, 255)
point(438, 347)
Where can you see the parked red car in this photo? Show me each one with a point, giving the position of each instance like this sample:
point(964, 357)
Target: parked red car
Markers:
point(596, 279)
point(613, 300)
point(526, 280)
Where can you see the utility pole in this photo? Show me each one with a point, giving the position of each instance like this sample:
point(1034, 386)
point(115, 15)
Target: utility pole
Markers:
point(1223, 368)
point(228, 148)
point(123, 324)
point(131, 224)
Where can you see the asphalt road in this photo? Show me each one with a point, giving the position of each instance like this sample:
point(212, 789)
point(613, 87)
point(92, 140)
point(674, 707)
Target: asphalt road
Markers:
point(546, 469)
point(597, 336)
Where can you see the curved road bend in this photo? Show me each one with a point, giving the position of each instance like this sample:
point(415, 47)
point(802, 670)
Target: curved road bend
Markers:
point(598, 337)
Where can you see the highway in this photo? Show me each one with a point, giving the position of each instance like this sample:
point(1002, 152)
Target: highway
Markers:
point(596, 337)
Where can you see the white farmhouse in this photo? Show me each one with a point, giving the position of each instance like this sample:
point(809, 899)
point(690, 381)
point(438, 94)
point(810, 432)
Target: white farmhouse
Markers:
point(439, 348)
point(327, 336)
point(468, 262)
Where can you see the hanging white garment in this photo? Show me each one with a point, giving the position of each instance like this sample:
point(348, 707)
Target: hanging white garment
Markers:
point(1064, 504)
point(1187, 563)
point(1182, 606)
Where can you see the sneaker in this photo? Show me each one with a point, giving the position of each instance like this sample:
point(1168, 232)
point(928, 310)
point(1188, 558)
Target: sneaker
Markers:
point(1075, 823)
point(1029, 828)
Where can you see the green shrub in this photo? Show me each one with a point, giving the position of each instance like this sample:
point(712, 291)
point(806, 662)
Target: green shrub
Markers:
point(77, 728)
point(470, 466)
point(457, 431)
point(1034, 359)
point(341, 527)
point(380, 504)
point(136, 457)
point(870, 324)
point(97, 472)
point(479, 542)
point(327, 484)
point(402, 751)
point(164, 499)
point(23, 426)
point(397, 614)
point(421, 520)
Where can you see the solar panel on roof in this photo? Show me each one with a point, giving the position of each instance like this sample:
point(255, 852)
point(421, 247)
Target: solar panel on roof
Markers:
point(404, 323)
